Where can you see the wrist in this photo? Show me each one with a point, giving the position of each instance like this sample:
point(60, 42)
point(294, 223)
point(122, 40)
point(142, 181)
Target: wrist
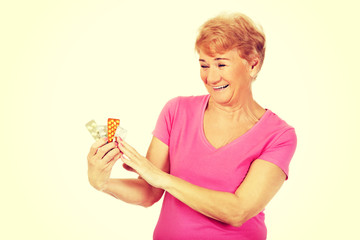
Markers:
point(165, 181)
point(103, 187)
point(98, 185)
point(106, 188)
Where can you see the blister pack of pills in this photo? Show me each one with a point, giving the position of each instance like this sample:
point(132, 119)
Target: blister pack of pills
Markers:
point(112, 125)
point(92, 128)
point(121, 132)
point(111, 130)
point(102, 130)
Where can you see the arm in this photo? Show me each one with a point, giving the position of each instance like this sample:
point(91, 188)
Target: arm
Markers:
point(262, 182)
point(134, 191)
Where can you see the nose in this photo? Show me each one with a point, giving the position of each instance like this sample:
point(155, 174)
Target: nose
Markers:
point(213, 76)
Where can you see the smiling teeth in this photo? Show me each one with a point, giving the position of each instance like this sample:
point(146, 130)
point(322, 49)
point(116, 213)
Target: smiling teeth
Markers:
point(221, 87)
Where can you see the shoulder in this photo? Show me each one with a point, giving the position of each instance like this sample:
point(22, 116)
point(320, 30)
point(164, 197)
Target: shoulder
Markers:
point(192, 99)
point(278, 128)
point(186, 102)
point(273, 121)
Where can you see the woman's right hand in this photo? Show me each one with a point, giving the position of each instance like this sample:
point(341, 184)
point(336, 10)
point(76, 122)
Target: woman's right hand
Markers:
point(101, 159)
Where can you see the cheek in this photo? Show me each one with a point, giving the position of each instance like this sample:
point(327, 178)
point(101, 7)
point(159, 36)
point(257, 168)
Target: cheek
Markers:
point(203, 76)
point(239, 75)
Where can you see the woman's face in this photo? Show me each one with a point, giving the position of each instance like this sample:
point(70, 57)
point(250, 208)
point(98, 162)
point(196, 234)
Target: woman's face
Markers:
point(226, 76)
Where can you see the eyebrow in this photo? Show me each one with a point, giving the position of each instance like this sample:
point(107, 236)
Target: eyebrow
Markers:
point(216, 59)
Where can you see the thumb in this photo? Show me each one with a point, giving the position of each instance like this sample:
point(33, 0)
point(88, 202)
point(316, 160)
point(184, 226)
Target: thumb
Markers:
point(128, 168)
point(112, 162)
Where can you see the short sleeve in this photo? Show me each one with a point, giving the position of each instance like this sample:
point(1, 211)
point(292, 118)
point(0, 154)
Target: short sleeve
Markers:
point(165, 121)
point(281, 150)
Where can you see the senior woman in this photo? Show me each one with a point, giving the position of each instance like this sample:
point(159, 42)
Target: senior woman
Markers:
point(219, 157)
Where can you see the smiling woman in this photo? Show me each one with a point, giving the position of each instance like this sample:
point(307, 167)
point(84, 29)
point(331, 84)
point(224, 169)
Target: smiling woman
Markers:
point(228, 78)
point(220, 157)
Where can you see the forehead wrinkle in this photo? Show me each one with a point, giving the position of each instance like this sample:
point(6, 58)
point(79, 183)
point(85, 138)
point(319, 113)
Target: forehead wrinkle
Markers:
point(217, 59)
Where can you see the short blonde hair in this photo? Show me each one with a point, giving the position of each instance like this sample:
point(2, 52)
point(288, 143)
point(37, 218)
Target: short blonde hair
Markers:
point(228, 31)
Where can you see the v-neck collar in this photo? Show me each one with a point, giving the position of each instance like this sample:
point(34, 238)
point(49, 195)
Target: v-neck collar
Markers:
point(206, 141)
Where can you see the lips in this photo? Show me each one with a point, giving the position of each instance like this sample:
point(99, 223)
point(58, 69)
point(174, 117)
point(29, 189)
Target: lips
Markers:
point(220, 87)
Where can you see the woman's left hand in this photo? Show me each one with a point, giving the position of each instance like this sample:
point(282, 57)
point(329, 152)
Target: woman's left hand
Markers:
point(146, 169)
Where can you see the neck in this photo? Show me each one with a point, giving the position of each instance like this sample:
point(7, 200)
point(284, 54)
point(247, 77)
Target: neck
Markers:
point(245, 108)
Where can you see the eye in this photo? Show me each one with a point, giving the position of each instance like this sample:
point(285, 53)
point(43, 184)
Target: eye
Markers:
point(221, 65)
point(204, 66)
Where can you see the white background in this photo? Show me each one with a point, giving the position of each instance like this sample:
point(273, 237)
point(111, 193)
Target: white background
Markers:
point(64, 63)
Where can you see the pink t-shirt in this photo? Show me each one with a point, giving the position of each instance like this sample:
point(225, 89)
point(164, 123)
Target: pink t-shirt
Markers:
point(194, 159)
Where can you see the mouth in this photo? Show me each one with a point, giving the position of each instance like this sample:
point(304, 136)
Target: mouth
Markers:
point(220, 87)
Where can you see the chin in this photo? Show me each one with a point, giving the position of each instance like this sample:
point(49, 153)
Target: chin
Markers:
point(222, 99)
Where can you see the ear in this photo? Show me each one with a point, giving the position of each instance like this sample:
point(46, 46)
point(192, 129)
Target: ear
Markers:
point(254, 63)
point(254, 67)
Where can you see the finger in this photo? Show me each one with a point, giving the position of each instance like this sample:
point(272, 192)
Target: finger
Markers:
point(127, 161)
point(118, 139)
point(105, 149)
point(128, 168)
point(128, 150)
point(112, 163)
point(96, 145)
point(111, 155)
point(128, 147)
point(117, 157)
